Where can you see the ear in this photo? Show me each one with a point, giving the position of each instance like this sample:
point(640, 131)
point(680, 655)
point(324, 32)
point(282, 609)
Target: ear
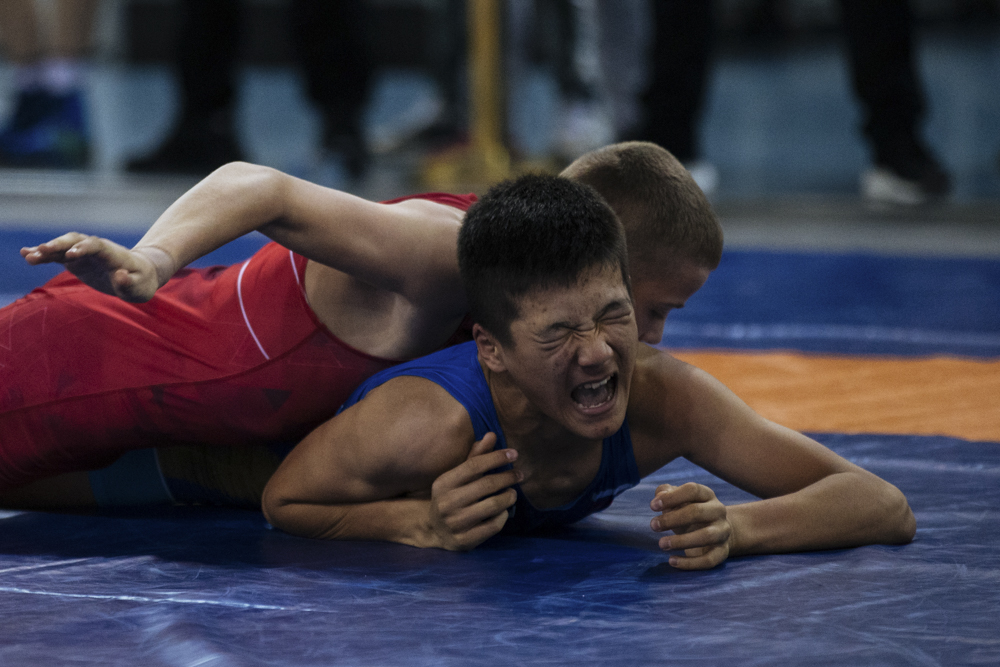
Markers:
point(489, 348)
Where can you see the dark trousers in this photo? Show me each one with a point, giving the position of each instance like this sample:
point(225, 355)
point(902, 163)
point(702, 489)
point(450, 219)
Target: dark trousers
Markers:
point(880, 49)
point(330, 46)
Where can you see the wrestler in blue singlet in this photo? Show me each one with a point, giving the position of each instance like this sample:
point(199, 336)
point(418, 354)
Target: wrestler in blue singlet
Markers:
point(457, 370)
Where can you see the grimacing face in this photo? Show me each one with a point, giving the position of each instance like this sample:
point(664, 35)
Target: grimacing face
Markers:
point(574, 351)
point(658, 288)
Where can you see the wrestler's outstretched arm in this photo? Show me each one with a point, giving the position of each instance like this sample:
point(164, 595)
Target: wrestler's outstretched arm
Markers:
point(407, 248)
point(398, 466)
point(812, 498)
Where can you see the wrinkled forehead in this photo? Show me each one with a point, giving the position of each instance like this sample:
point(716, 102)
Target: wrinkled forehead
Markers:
point(672, 279)
point(593, 290)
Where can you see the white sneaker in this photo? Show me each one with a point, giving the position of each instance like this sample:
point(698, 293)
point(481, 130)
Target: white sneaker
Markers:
point(705, 174)
point(881, 186)
point(584, 127)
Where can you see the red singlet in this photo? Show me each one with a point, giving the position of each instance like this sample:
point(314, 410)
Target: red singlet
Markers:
point(222, 356)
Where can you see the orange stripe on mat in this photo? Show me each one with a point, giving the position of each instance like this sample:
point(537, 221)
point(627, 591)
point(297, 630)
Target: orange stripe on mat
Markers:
point(921, 396)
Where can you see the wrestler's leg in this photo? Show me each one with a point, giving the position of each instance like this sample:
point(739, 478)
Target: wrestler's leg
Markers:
point(134, 480)
point(220, 476)
point(61, 492)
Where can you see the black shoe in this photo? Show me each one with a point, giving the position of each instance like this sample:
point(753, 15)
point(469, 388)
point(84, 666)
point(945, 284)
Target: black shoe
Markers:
point(197, 147)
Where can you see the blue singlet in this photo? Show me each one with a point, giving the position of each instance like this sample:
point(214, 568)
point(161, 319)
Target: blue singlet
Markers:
point(457, 370)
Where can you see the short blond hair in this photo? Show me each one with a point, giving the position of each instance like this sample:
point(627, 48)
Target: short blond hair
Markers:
point(657, 201)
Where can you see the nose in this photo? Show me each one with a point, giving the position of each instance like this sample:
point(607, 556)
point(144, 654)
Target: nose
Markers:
point(594, 351)
point(651, 330)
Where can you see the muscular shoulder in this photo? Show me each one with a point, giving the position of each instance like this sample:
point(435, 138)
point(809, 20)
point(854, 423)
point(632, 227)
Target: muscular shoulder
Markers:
point(430, 211)
point(395, 292)
point(671, 406)
point(414, 429)
point(395, 442)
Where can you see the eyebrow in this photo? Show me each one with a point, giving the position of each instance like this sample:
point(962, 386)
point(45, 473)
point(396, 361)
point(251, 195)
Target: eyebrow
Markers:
point(563, 324)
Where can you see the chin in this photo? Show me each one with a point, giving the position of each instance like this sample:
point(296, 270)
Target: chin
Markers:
point(605, 427)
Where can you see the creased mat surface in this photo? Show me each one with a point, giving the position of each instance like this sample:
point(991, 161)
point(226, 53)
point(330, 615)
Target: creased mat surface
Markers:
point(210, 587)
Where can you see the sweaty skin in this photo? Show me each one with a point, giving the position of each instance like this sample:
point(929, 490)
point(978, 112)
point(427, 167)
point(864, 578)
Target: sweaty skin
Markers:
point(382, 277)
point(365, 475)
point(432, 491)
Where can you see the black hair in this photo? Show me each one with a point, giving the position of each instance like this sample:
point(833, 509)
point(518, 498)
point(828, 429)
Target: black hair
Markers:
point(533, 232)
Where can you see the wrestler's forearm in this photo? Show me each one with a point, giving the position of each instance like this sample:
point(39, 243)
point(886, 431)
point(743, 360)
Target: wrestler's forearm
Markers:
point(407, 248)
point(402, 520)
point(842, 510)
point(233, 200)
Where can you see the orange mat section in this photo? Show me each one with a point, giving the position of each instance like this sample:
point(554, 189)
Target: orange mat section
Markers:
point(908, 396)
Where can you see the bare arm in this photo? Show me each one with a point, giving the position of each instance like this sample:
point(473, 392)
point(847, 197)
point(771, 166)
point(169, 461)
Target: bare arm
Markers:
point(407, 248)
point(811, 498)
point(397, 466)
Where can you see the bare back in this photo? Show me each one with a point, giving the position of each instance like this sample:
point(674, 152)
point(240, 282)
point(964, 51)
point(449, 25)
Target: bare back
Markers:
point(392, 319)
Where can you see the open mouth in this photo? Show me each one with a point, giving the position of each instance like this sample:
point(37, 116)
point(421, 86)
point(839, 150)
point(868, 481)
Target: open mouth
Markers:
point(595, 394)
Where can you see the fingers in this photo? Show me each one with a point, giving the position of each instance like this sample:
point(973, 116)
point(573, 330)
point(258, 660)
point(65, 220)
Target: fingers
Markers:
point(668, 497)
point(474, 467)
point(486, 510)
point(122, 280)
point(479, 533)
point(709, 536)
point(72, 245)
point(470, 502)
point(700, 559)
point(699, 523)
point(452, 500)
point(101, 264)
point(679, 520)
point(483, 446)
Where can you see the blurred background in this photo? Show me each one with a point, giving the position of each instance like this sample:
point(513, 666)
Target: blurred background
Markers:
point(373, 97)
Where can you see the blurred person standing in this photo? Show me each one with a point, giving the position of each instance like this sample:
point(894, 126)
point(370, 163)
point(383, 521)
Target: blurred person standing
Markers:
point(48, 126)
point(332, 51)
point(880, 48)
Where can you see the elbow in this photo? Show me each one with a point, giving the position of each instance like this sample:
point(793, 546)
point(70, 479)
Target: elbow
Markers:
point(239, 169)
point(901, 524)
point(274, 506)
point(263, 189)
point(254, 181)
point(301, 518)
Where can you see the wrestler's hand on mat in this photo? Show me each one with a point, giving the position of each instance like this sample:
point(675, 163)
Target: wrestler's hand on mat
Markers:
point(468, 506)
point(698, 520)
point(131, 275)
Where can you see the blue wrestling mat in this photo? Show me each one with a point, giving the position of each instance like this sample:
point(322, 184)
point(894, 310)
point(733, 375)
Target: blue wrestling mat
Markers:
point(196, 586)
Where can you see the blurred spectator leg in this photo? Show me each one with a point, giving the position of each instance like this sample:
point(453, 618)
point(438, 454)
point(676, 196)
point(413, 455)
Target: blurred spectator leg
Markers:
point(585, 122)
point(624, 42)
point(880, 42)
point(204, 137)
point(448, 50)
point(333, 49)
point(679, 69)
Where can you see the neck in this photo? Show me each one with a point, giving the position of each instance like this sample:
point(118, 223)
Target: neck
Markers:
point(539, 440)
point(557, 464)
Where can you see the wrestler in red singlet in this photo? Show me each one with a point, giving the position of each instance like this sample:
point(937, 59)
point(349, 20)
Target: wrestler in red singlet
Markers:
point(223, 356)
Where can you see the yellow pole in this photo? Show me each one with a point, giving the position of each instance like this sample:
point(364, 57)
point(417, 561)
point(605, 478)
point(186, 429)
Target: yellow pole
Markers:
point(486, 88)
point(485, 160)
